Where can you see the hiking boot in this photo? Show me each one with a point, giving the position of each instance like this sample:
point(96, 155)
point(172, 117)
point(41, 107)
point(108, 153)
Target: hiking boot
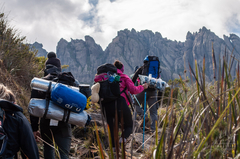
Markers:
point(138, 117)
point(150, 131)
point(146, 121)
point(125, 140)
point(121, 140)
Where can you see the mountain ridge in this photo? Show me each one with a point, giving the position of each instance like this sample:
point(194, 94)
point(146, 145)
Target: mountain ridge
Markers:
point(131, 47)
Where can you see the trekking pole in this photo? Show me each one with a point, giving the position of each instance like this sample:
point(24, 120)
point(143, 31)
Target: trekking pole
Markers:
point(137, 100)
point(145, 98)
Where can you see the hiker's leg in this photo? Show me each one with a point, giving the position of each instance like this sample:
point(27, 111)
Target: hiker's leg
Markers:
point(109, 111)
point(127, 117)
point(140, 100)
point(111, 127)
point(48, 152)
point(153, 105)
point(63, 144)
point(46, 135)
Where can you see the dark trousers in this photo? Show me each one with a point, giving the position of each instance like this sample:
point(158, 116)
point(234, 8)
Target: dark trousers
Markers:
point(61, 135)
point(122, 109)
point(151, 101)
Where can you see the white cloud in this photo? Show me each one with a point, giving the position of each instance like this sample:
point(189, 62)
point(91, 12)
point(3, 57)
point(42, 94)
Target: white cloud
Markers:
point(47, 21)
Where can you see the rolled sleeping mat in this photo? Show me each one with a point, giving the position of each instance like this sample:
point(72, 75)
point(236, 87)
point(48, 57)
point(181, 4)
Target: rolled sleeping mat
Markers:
point(63, 95)
point(37, 107)
point(42, 84)
point(153, 82)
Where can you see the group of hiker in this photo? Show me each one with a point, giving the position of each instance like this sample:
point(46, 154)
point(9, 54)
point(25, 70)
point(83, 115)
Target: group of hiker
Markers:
point(117, 110)
point(24, 135)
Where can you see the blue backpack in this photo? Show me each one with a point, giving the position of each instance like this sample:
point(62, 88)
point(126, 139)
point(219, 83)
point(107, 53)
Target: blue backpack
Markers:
point(151, 66)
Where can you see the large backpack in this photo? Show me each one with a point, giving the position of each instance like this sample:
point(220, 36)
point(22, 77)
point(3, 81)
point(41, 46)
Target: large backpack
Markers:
point(51, 69)
point(151, 66)
point(73, 100)
point(109, 90)
point(54, 73)
point(65, 78)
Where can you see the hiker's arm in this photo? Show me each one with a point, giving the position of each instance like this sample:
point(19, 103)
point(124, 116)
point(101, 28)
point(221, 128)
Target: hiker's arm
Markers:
point(34, 124)
point(35, 120)
point(132, 88)
point(135, 76)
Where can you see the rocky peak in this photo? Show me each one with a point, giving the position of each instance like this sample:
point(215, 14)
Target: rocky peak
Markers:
point(89, 40)
point(189, 36)
point(39, 47)
point(131, 47)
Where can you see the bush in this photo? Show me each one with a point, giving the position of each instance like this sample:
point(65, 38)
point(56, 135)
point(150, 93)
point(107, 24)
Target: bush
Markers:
point(18, 65)
point(17, 58)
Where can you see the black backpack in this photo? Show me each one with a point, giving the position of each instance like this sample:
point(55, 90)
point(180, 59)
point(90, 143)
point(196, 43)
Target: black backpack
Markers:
point(65, 78)
point(106, 68)
point(51, 69)
point(62, 77)
point(54, 73)
point(109, 91)
point(86, 90)
point(151, 66)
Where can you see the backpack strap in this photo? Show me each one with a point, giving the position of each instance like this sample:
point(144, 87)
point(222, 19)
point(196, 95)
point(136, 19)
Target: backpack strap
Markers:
point(48, 97)
point(66, 115)
point(138, 72)
point(124, 91)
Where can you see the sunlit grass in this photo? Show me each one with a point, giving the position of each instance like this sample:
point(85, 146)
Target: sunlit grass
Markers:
point(202, 120)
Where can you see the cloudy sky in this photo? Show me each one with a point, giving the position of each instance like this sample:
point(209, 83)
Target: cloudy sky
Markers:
point(47, 21)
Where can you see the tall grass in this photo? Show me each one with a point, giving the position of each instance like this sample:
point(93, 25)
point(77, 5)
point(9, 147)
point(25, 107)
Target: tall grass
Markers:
point(210, 114)
point(203, 122)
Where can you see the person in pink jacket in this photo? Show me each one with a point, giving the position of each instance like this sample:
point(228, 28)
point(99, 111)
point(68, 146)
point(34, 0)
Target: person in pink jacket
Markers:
point(127, 84)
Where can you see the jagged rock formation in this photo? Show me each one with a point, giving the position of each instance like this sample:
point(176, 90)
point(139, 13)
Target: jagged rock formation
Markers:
point(131, 47)
point(83, 57)
point(39, 47)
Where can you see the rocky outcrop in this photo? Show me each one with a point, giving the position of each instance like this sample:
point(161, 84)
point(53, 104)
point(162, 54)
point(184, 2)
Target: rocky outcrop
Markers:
point(131, 47)
point(83, 57)
point(39, 47)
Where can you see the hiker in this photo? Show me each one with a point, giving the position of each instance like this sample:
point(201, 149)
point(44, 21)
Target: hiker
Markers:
point(61, 131)
point(121, 104)
point(126, 83)
point(17, 128)
point(151, 93)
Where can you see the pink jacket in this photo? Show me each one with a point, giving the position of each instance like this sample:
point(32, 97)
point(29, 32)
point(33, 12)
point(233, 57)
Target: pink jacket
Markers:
point(127, 82)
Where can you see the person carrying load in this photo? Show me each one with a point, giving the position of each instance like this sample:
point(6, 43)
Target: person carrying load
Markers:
point(61, 131)
point(151, 66)
point(112, 97)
